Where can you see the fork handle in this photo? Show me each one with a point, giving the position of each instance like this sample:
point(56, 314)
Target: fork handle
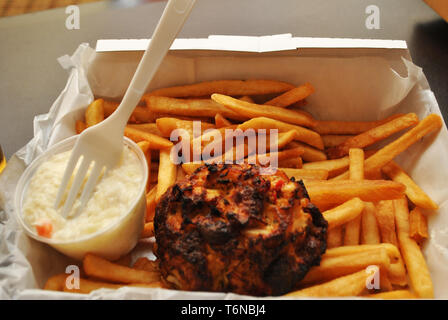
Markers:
point(173, 18)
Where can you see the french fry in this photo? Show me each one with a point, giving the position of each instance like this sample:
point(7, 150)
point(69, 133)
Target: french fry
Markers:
point(141, 114)
point(299, 174)
point(220, 121)
point(393, 295)
point(167, 125)
point(334, 237)
point(370, 233)
point(167, 173)
point(148, 230)
point(325, 194)
point(147, 127)
point(124, 260)
point(95, 112)
point(396, 271)
point(190, 167)
point(356, 164)
point(333, 140)
point(281, 155)
point(356, 169)
point(190, 107)
point(349, 127)
point(180, 173)
point(392, 251)
point(373, 135)
point(144, 146)
point(383, 156)
point(291, 96)
point(419, 275)
point(334, 267)
point(386, 221)
point(418, 226)
point(155, 142)
point(144, 263)
point(100, 268)
point(80, 126)
point(334, 167)
point(247, 99)
point(227, 87)
point(283, 139)
point(294, 163)
point(151, 204)
point(349, 285)
point(251, 110)
point(413, 191)
point(343, 213)
point(311, 154)
point(56, 282)
point(302, 134)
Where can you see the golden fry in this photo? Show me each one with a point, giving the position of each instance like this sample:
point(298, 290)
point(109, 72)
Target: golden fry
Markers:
point(220, 121)
point(334, 267)
point(247, 99)
point(373, 135)
point(151, 204)
point(413, 258)
point(343, 213)
point(349, 127)
point(291, 96)
point(386, 221)
point(294, 163)
point(105, 270)
point(302, 134)
point(147, 127)
point(383, 156)
point(95, 112)
point(333, 140)
point(325, 194)
point(356, 164)
point(334, 237)
point(350, 285)
point(56, 282)
point(334, 167)
point(370, 234)
point(155, 142)
point(311, 154)
point(418, 226)
point(167, 173)
point(300, 174)
point(148, 230)
point(80, 126)
point(167, 125)
point(190, 107)
point(413, 191)
point(251, 110)
point(227, 87)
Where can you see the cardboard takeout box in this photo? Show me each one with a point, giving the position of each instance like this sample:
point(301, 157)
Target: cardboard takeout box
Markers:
point(354, 80)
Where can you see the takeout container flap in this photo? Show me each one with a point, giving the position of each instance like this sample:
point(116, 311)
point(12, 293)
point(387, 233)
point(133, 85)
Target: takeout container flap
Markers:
point(260, 44)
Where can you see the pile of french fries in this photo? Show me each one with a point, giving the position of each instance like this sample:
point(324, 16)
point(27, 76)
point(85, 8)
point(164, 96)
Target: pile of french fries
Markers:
point(376, 213)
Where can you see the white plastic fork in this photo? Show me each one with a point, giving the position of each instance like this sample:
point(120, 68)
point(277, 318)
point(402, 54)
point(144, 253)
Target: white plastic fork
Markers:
point(102, 144)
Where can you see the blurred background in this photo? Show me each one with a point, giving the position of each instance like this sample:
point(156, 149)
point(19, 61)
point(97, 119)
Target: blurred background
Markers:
point(16, 7)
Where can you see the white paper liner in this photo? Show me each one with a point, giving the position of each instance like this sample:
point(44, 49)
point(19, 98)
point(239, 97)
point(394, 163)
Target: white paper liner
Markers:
point(347, 88)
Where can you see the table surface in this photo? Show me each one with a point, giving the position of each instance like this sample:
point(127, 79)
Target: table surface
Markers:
point(31, 78)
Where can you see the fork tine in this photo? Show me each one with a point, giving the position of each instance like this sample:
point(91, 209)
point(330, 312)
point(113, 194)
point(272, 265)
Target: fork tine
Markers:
point(67, 174)
point(88, 188)
point(74, 189)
